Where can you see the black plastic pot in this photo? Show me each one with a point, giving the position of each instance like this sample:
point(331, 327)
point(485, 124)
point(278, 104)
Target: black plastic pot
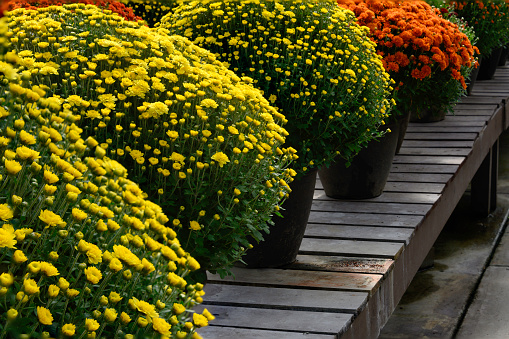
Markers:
point(427, 115)
point(403, 125)
point(489, 65)
point(282, 244)
point(473, 77)
point(503, 56)
point(367, 175)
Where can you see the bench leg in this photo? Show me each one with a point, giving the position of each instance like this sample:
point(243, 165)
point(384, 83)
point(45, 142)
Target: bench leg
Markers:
point(494, 175)
point(484, 184)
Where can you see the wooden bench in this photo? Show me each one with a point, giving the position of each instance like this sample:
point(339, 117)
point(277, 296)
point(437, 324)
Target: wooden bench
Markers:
point(358, 257)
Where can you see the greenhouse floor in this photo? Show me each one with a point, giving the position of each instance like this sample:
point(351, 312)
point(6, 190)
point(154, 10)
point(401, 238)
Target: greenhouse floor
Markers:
point(465, 293)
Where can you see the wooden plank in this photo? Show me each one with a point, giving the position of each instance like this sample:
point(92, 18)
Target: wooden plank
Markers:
point(462, 118)
point(439, 136)
point(222, 332)
point(283, 298)
point(425, 128)
point(397, 186)
point(435, 151)
point(389, 197)
point(351, 248)
point(338, 218)
point(438, 178)
point(341, 264)
point(427, 159)
point(415, 168)
point(475, 100)
point(452, 122)
point(394, 234)
point(332, 281)
point(369, 206)
point(437, 143)
point(474, 110)
point(416, 187)
point(278, 320)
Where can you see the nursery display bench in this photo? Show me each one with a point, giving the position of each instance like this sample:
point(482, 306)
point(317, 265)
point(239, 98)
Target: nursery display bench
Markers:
point(358, 257)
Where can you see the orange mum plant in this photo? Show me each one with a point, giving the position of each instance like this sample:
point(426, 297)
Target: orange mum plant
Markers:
point(427, 55)
point(490, 20)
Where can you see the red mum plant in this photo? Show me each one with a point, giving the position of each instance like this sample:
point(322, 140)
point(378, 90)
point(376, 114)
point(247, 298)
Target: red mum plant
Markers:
point(112, 5)
point(427, 55)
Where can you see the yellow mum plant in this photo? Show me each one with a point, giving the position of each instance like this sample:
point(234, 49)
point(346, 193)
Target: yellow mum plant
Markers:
point(152, 10)
point(200, 141)
point(83, 252)
point(311, 60)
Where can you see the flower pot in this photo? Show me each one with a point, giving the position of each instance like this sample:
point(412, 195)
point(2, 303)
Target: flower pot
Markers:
point(503, 55)
point(473, 77)
point(367, 174)
point(489, 65)
point(427, 115)
point(281, 245)
point(403, 125)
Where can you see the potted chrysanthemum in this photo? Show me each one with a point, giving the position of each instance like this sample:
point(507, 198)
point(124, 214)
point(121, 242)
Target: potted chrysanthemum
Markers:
point(316, 65)
point(490, 20)
point(427, 55)
point(112, 5)
point(447, 11)
point(83, 252)
point(200, 141)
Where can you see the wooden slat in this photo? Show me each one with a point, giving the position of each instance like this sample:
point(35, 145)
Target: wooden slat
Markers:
point(410, 135)
point(222, 332)
point(436, 143)
point(352, 248)
point(414, 187)
point(369, 206)
point(296, 322)
point(300, 279)
point(415, 168)
point(461, 118)
point(390, 197)
point(337, 218)
point(284, 298)
point(427, 159)
point(434, 151)
point(422, 186)
point(444, 129)
point(341, 264)
point(436, 178)
point(393, 234)
point(469, 110)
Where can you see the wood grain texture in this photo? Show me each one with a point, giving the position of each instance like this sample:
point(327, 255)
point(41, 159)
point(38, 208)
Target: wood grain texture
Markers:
point(298, 322)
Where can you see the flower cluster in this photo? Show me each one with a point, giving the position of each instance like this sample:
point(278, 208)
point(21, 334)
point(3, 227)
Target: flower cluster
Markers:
point(421, 50)
point(82, 251)
point(203, 143)
point(152, 10)
point(111, 5)
point(310, 59)
point(490, 20)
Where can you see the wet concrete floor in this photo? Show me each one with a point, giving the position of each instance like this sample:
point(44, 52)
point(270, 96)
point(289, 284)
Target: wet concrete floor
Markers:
point(460, 296)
